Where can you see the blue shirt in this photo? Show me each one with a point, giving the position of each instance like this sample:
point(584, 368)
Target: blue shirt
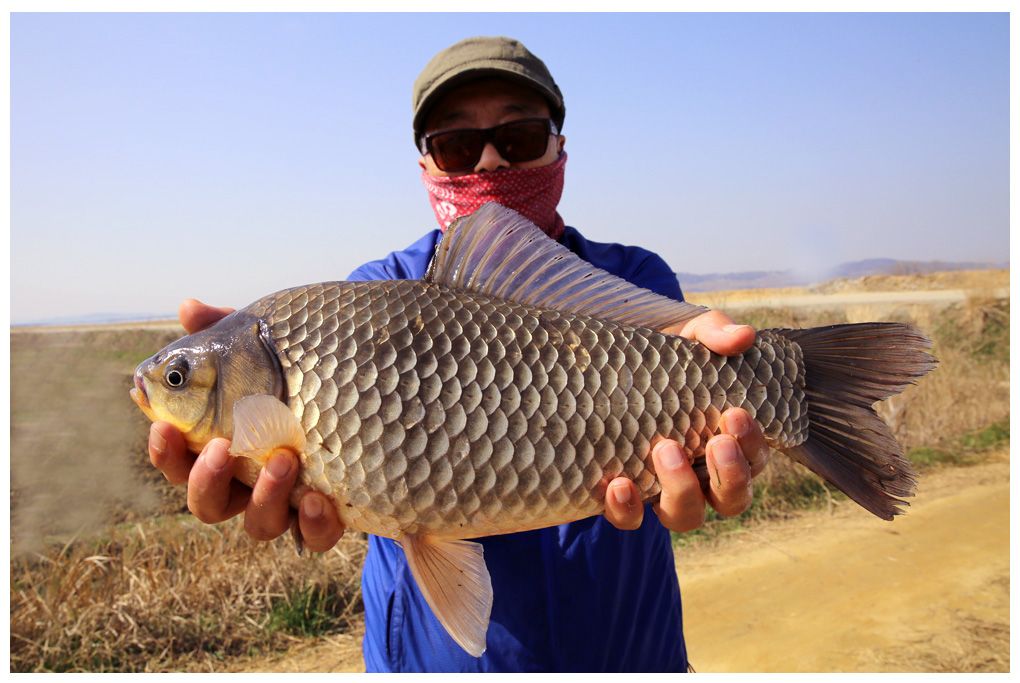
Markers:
point(583, 596)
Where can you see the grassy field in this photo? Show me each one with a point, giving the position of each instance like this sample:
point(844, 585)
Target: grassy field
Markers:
point(110, 573)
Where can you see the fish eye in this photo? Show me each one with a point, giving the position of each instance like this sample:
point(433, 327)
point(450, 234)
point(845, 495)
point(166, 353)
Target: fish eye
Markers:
point(176, 375)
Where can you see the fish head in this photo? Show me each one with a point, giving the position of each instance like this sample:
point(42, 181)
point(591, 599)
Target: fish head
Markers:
point(178, 385)
point(194, 382)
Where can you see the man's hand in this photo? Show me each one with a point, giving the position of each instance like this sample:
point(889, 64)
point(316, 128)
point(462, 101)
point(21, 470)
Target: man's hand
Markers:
point(214, 495)
point(734, 457)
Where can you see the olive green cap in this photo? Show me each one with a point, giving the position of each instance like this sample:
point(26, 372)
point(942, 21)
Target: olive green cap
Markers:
point(476, 58)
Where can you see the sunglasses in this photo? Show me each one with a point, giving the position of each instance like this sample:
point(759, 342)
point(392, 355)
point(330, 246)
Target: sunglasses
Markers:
point(516, 141)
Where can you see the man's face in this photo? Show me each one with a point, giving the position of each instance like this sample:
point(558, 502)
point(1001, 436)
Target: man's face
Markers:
point(483, 104)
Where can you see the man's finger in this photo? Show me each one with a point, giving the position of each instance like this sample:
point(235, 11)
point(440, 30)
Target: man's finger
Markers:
point(213, 495)
point(738, 424)
point(717, 331)
point(268, 512)
point(319, 522)
point(729, 489)
point(681, 505)
point(623, 504)
point(169, 453)
point(195, 315)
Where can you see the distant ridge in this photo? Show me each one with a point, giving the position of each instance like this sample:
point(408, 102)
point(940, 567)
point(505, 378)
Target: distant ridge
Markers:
point(760, 279)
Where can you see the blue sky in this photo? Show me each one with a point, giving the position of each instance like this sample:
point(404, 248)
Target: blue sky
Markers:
point(224, 156)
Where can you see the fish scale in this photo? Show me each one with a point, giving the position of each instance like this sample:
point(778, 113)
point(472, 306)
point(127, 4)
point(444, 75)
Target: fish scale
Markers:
point(459, 415)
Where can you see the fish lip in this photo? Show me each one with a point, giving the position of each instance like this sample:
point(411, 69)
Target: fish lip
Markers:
point(139, 395)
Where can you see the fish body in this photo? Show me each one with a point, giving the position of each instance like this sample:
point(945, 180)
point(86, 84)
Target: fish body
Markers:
point(504, 392)
point(427, 410)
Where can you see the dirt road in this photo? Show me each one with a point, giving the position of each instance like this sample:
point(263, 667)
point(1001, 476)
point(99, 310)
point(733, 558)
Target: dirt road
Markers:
point(848, 592)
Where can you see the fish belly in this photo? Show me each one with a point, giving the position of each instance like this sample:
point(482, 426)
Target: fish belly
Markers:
point(432, 410)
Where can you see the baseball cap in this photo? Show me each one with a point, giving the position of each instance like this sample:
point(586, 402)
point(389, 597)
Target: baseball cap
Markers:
point(476, 58)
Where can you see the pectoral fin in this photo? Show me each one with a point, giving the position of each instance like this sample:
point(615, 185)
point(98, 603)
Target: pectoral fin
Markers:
point(455, 582)
point(263, 423)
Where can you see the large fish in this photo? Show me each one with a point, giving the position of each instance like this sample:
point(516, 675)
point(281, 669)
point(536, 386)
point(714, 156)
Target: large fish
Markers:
point(505, 390)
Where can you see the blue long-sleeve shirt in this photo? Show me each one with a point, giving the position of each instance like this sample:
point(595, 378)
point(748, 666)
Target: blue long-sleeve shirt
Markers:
point(583, 596)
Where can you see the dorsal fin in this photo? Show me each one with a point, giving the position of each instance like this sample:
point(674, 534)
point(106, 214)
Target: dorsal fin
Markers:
point(497, 252)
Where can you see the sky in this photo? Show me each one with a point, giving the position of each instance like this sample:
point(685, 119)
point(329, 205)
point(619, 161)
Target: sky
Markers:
point(156, 157)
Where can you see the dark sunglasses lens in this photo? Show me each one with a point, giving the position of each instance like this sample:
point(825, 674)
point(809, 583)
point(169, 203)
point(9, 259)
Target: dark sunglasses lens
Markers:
point(522, 141)
point(457, 150)
point(518, 141)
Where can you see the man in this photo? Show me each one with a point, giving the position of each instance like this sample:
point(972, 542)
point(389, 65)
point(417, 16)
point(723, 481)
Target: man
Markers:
point(597, 594)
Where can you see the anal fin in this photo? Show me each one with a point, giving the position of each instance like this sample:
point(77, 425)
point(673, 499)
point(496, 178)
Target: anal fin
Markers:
point(452, 577)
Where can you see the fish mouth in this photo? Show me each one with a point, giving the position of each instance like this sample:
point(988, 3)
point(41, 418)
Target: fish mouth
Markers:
point(140, 397)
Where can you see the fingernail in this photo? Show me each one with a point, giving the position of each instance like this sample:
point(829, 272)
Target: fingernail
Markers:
point(279, 465)
point(737, 423)
point(156, 442)
point(311, 506)
point(216, 457)
point(725, 451)
point(733, 328)
point(621, 492)
point(670, 456)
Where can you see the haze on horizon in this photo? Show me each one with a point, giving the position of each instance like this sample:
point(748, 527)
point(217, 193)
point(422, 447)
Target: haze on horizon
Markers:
point(159, 156)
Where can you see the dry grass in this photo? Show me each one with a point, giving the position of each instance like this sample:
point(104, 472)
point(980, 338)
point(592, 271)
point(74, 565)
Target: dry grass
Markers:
point(970, 388)
point(173, 595)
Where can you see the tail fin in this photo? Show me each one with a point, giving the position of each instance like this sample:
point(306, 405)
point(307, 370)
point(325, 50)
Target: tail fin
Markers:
point(847, 369)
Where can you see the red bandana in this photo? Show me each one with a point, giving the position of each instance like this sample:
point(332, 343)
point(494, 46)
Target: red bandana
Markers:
point(531, 192)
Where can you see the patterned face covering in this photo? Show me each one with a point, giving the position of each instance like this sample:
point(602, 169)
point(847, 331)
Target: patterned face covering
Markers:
point(531, 192)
